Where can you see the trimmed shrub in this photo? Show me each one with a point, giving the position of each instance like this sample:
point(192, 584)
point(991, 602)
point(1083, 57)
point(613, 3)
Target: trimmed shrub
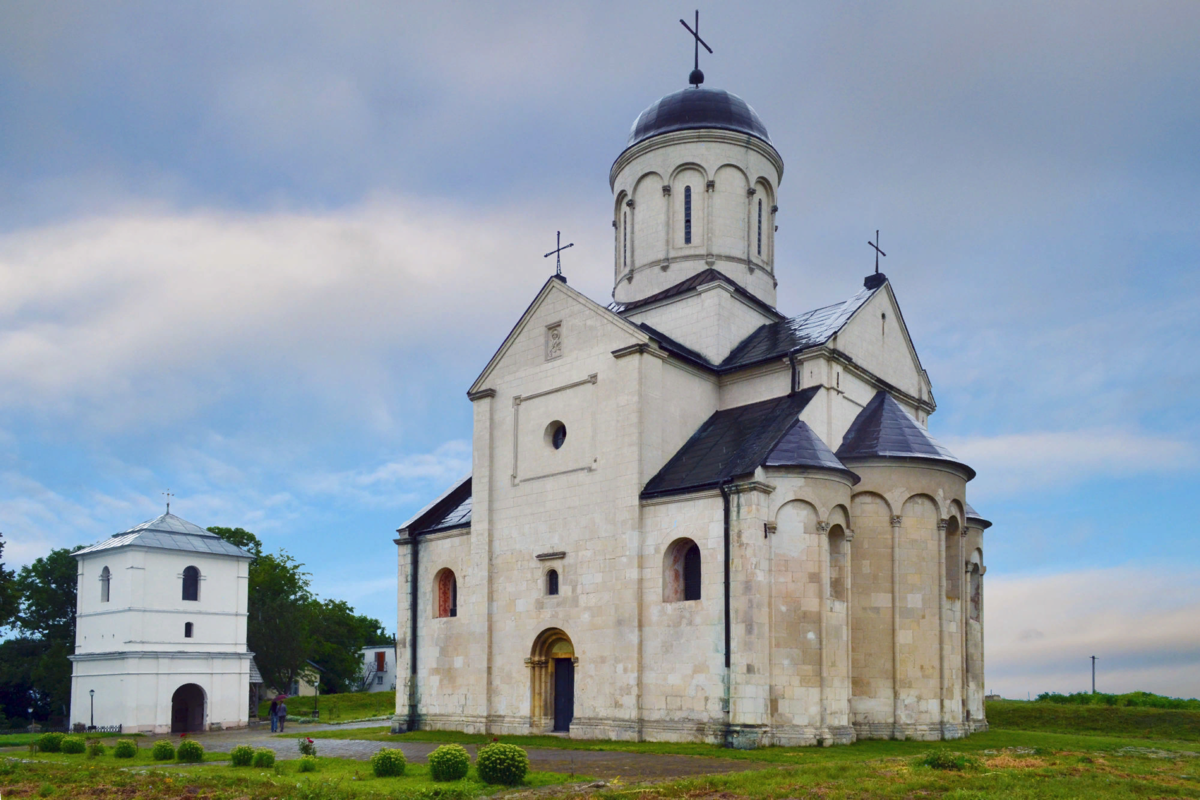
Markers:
point(502, 763)
point(449, 762)
point(944, 759)
point(95, 748)
point(73, 745)
point(50, 742)
point(242, 755)
point(162, 751)
point(308, 764)
point(388, 763)
point(190, 750)
point(125, 748)
point(264, 757)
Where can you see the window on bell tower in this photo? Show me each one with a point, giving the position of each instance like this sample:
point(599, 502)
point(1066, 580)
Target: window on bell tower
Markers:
point(760, 227)
point(624, 240)
point(687, 215)
point(105, 577)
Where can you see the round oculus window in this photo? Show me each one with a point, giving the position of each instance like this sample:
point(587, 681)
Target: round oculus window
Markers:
point(556, 434)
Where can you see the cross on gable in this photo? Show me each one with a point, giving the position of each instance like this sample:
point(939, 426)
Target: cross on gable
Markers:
point(878, 252)
point(167, 494)
point(557, 252)
point(697, 77)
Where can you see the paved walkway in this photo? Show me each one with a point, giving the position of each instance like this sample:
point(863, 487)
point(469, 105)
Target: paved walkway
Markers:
point(593, 763)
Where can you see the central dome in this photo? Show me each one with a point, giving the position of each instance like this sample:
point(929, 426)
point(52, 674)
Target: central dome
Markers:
point(697, 107)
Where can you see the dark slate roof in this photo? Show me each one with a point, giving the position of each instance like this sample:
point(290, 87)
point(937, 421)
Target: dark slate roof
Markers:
point(883, 429)
point(801, 447)
point(777, 339)
point(973, 516)
point(451, 510)
point(735, 442)
point(676, 348)
point(697, 107)
point(701, 278)
point(168, 532)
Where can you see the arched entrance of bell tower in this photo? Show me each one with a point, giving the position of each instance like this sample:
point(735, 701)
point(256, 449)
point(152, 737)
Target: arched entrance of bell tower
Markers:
point(187, 709)
point(551, 682)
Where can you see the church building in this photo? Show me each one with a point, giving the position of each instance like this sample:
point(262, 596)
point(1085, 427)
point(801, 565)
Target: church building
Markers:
point(160, 633)
point(692, 516)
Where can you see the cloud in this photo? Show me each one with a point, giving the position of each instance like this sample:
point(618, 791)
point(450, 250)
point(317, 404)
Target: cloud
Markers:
point(409, 479)
point(1139, 620)
point(142, 318)
point(1048, 460)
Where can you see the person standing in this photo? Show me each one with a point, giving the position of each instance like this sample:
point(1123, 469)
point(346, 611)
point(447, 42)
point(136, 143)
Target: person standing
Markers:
point(282, 713)
point(274, 709)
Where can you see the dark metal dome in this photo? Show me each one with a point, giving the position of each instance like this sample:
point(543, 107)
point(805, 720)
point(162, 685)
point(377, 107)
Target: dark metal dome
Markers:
point(697, 107)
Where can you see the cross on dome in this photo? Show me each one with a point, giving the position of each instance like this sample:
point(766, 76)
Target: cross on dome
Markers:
point(697, 77)
point(557, 253)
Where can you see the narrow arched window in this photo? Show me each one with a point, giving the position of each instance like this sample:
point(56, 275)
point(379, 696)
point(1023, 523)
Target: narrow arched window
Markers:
point(187, 630)
point(105, 577)
point(691, 573)
point(760, 227)
point(191, 584)
point(624, 240)
point(687, 215)
point(446, 601)
point(976, 592)
point(552, 582)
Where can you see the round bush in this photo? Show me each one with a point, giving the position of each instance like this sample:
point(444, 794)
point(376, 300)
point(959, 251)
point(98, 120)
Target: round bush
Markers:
point(388, 763)
point(308, 764)
point(162, 750)
point(264, 757)
point(125, 748)
point(95, 748)
point(242, 755)
point(189, 750)
point(502, 763)
point(50, 742)
point(449, 762)
point(73, 745)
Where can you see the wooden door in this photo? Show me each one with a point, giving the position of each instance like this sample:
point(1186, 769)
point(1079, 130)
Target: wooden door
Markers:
point(564, 693)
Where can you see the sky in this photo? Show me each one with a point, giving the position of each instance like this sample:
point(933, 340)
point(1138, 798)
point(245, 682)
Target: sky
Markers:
point(255, 253)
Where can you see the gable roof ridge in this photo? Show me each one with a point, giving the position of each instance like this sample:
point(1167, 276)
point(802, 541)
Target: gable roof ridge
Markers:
point(702, 278)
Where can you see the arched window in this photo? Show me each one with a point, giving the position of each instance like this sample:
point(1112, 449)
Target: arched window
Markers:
point(681, 571)
point(687, 215)
point(837, 562)
point(446, 599)
point(624, 240)
point(191, 584)
point(552, 582)
point(976, 591)
point(953, 574)
point(760, 227)
point(105, 577)
point(187, 630)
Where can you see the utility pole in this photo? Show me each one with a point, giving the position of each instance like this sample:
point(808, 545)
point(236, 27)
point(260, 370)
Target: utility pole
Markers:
point(1093, 674)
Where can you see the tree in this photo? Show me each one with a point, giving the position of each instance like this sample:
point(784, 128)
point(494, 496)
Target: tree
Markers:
point(277, 630)
point(9, 599)
point(240, 537)
point(47, 593)
point(338, 636)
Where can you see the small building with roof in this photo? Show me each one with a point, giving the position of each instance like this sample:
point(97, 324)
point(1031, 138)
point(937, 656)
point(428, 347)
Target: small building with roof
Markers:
point(160, 642)
point(691, 516)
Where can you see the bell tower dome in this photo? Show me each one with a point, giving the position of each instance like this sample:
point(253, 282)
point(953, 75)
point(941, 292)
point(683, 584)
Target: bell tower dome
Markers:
point(695, 189)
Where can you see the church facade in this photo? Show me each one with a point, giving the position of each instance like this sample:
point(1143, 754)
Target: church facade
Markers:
point(160, 634)
point(690, 516)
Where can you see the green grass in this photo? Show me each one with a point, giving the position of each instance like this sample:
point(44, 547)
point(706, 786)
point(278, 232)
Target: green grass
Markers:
point(21, 739)
point(1105, 720)
point(334, 778)
point(338, 707)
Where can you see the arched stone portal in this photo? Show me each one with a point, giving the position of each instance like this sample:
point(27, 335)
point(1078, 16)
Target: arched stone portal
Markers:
point(187, 709)
point(551, 665)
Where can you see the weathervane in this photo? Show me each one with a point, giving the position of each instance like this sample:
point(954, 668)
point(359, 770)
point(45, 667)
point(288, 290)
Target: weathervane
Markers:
point(697, 77)
point(168, 495)
point(878, 252)
point(556, 252)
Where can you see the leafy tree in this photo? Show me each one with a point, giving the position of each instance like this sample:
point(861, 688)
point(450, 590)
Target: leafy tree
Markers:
point(338, 636)
point(47, 593)
point(20, 659)
point(9, 599)
point(277, 630)
point(239, 537)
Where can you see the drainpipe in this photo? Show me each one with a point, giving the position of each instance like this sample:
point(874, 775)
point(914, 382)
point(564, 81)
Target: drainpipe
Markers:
point(728, 620)
point(412, 636)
